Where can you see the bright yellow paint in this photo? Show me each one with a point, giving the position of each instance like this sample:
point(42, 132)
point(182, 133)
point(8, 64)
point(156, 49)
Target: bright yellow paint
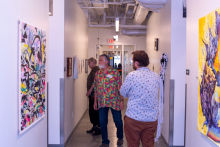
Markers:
point(205, 23)
point(42, 51)
point(23, 86)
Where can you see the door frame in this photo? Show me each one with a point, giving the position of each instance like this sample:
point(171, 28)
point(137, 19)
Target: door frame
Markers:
point(135, 48)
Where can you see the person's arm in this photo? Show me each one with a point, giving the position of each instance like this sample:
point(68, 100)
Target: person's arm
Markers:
point(95, 102)
point(90, 91)
point(119, 82)
point(126, 86)
point(121, 102)
point(93, 80)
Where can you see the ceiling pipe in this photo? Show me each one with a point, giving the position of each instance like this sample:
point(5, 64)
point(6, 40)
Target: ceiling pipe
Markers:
point(152, 7)
point(152, 2)
point(117, 17)
point(92, 7)
point(121, 26)
point(104, 17)
point(133, 32)
point(140, 15)
point(113, 3)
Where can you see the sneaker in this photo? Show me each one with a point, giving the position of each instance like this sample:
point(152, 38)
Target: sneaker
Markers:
point(90, 131)
point(104, 145)
point(120, 142)
point(97, 131)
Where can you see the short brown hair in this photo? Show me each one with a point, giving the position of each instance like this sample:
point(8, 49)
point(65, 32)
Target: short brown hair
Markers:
point(141, 57)
point(92, 60)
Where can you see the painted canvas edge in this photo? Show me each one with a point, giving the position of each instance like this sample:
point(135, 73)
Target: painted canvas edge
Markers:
point(19, 77)
point(218, 144)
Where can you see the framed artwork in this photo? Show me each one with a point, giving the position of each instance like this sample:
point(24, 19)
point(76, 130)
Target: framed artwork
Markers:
point(156, 44)
point(209, 77)
point(69, 67)
point(81, 65)
point(78, 61)
point(86, 66)
point(32, 75)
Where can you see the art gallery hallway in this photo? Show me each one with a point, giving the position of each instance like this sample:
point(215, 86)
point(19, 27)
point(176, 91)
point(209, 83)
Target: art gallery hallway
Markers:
point(82, 139)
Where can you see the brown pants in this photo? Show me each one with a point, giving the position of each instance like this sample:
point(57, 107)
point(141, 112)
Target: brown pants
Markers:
point(137, 130)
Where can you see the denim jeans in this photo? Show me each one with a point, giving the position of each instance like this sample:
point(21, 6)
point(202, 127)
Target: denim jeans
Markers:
point(103, 118)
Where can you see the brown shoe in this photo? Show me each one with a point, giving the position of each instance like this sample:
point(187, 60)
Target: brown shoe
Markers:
point(104, 145)
point(120, 142)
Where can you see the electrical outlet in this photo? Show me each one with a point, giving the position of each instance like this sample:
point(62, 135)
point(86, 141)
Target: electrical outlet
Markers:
point(187, 72)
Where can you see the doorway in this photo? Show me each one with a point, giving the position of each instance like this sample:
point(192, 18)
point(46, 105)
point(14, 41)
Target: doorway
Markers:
point(120, 57)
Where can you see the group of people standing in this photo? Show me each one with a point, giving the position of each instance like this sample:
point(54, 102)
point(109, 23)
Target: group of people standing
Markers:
point(106, 91)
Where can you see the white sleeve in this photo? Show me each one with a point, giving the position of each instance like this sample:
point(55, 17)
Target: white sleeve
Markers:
point(126, 86)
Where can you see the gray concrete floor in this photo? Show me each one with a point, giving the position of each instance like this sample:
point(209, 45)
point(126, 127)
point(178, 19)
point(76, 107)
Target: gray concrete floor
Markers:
point(82, 139)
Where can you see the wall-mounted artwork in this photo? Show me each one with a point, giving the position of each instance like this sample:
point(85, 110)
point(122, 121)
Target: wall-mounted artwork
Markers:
point(86, 66)
point(156, 44)
point(209, 77)
point(75, 68)
point(81, 65)
point(78, 65)
point(69, 67)
point(32, 75)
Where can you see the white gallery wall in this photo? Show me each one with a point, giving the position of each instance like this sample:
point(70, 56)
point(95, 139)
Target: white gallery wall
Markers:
point(169, 27)
point(159, 26)
point(56, 69)
point(76, 43)
point(105, 34)
point(34, 12)
point(196, 9)
point(178, 69)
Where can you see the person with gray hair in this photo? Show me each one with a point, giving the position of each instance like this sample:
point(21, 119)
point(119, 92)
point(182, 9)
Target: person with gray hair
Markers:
point(107, 84)
point(93, 114)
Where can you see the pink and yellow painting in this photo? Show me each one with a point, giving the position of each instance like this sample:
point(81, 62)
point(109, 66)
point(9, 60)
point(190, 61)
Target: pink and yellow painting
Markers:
point(32, 73)
point(209, 76)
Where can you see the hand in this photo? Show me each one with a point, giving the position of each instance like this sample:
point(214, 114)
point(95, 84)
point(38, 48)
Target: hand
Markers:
point(122, 105)
point(88, 93)
point(95, 106)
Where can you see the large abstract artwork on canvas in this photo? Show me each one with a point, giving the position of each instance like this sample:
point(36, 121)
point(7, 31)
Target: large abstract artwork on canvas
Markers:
point(32, 64)
point(209, 76)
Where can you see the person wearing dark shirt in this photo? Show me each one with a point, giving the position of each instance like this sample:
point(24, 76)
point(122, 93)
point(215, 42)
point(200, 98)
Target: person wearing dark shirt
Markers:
point(93, 114)
point(119, 68)
point(115, 66)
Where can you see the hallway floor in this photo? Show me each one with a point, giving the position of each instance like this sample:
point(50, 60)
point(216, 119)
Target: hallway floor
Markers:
point(82, 139)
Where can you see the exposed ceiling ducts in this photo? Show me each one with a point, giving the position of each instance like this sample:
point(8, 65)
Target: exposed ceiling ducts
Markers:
point(133, 32)
point(140, 15)
point(132, 14)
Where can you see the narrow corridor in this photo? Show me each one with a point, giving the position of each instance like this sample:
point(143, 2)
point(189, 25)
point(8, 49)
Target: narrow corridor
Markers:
point(82, 139)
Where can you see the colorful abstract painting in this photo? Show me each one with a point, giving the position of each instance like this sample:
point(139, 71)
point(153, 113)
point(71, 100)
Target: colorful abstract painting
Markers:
point(32, 64)
point(209, 76)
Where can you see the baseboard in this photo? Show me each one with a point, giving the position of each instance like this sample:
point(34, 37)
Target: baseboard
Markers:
point(55, 145)
point(71, 134)
point(164, 140)
point(167, 145)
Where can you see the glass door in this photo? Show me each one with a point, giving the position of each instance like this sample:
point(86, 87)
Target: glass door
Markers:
point(115, 54)
point(127, 61)
point(120, 57)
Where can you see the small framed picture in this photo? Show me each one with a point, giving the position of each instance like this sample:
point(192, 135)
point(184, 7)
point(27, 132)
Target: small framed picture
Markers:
point(156, 44)
point(86, 66)
point(69, 67)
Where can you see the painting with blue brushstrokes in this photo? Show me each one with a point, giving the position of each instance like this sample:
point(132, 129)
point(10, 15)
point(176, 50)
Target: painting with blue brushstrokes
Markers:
point(32, 75)
point(209, 76)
